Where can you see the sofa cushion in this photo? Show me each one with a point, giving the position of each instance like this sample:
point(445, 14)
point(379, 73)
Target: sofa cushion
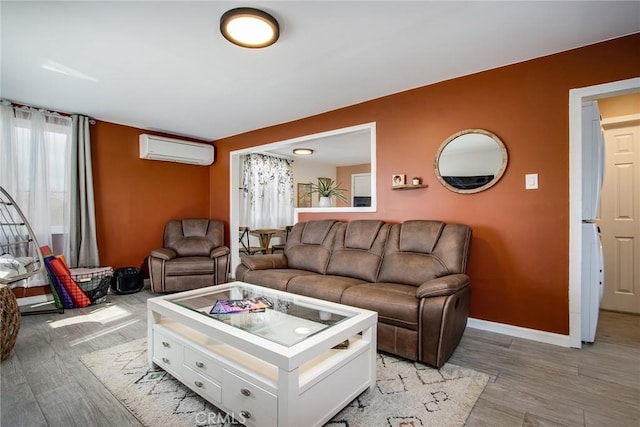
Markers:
point(188, 266)
point(328, 288)
point(194, 246)
point(315, 232)
point(420, 236)
point(196, 227)
point(418, 251)
point(361, 233)
point(275, 278)
point(358, 248)
point(309, 245)
point(395, 303)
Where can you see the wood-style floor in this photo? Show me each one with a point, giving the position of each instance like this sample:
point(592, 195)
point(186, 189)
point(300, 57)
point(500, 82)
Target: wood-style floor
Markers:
point(532, 384)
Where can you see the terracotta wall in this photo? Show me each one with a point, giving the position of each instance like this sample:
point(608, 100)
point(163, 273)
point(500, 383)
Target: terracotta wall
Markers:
point(343, 178)
point(135, 198)
point(519, 257)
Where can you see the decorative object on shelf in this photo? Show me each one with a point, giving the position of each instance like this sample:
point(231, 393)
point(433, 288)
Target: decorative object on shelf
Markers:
point(398, 179)
point(415, 180)
point(470, 161)
point(327, 188)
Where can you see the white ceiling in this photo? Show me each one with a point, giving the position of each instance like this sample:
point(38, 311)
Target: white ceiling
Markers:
point(164, 65)
point(348, 148)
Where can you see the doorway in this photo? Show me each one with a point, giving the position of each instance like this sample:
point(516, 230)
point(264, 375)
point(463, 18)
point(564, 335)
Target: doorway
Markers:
point(620, 203)
point(576, 98)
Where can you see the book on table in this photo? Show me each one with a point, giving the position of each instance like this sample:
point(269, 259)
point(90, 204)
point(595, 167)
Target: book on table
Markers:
point(228, 306)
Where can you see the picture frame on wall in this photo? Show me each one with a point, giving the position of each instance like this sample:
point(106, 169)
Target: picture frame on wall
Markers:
point(398, 179)
point(304, 195)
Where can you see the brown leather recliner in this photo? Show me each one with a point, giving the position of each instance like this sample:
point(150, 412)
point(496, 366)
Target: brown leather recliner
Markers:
point(193, 256)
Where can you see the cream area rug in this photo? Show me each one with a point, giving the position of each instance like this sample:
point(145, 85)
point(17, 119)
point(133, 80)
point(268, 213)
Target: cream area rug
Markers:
point(406, 394)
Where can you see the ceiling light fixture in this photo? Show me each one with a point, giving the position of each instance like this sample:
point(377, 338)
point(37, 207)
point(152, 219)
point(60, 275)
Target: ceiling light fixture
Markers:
point(303, 151)
point(249, 27)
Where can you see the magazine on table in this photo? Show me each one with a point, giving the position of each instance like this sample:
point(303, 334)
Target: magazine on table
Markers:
point(227, 306)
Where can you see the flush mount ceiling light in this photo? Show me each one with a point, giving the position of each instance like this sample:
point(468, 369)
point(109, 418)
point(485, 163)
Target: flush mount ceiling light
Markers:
point(303, 151)
point(248, 27)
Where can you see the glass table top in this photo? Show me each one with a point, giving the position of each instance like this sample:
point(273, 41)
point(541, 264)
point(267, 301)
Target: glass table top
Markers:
point(287, 319)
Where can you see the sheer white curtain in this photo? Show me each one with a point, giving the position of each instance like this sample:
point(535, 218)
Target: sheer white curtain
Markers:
point(267, 195)
point(35, 149)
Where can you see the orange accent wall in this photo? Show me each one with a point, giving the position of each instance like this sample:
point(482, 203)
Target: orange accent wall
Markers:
point(343, 178)
point(134, 198)
point(519, 256)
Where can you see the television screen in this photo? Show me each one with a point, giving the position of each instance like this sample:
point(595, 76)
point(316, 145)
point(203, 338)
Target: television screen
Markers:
point(361, 201)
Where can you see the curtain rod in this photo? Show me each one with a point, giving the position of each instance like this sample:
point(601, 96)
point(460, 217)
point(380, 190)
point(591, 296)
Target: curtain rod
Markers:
point(22, 106)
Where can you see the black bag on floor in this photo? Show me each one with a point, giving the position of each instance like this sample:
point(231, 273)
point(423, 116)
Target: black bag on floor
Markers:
point(127, 280)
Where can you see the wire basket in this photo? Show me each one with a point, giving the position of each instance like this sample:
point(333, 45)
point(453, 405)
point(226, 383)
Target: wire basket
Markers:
point(93, 282)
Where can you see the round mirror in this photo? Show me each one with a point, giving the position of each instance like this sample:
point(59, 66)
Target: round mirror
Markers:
point(471, 161)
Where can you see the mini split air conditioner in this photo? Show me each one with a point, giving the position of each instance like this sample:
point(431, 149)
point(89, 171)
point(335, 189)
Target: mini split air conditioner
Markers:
point(153, 147)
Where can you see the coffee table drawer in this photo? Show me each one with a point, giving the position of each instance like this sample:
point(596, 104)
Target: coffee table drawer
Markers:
point(246, 400)
point(203, 364)
point(202, 385)
point(167, 352)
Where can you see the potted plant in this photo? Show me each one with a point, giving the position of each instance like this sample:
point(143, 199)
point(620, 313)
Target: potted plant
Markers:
point(327, 188)
point(415, 180)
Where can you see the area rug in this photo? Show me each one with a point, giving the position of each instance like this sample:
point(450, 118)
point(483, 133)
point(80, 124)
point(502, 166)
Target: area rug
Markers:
point(406, 394)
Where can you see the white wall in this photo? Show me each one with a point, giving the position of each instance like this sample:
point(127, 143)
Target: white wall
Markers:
point(305, 171)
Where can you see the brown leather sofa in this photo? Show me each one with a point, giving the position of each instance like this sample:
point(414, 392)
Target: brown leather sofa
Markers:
point(193, 256)
point(412, 274)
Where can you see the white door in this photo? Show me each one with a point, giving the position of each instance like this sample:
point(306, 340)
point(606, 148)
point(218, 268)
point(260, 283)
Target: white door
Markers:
point(361, 184)
point(619, 214)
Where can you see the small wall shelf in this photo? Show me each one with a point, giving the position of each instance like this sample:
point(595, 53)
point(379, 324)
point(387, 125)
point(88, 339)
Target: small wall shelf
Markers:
point(409, 187)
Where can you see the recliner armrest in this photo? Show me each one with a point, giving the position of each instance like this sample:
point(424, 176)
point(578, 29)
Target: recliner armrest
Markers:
point(445, 285)
point(219, 251)
point(264, 262)
point(164, 253)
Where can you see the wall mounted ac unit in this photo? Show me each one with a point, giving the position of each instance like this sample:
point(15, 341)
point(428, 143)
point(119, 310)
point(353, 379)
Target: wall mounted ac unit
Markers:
point(153, 147)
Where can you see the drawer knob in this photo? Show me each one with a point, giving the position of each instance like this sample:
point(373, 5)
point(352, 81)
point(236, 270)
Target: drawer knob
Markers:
point(200, 365)
point(198, 384)
point(166, 344)
point(245, 392)
point(245, 414)
point(165, 360)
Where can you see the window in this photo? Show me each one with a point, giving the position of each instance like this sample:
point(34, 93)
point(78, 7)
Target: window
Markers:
point(35, 163)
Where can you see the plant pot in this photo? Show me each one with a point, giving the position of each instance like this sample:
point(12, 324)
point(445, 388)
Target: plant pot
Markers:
point(416, 181)
point(325, 202)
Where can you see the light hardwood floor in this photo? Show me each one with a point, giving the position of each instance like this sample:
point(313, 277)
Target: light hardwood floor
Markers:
point(532, 384)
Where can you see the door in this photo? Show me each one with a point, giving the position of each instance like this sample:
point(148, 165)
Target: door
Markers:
point(619, 214)
point(592, 276)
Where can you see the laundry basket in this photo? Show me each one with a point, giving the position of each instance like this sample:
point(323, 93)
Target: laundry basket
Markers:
point(94, 282)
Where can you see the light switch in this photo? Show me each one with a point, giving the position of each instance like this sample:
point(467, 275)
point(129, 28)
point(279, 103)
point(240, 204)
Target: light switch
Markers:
point(531, 181)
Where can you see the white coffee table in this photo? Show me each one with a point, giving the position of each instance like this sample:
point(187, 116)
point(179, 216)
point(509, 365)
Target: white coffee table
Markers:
point(272, 368)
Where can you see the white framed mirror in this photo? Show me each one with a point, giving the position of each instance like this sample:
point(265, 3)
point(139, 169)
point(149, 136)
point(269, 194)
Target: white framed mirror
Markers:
point(471, 161)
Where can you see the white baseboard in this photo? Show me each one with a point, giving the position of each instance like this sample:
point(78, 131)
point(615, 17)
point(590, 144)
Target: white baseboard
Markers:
point(520, 332)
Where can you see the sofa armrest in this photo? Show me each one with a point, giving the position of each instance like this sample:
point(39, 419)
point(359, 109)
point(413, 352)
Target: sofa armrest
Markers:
point(445, 285)
point(219, 251)
point(264, 262)
point(164, 253)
